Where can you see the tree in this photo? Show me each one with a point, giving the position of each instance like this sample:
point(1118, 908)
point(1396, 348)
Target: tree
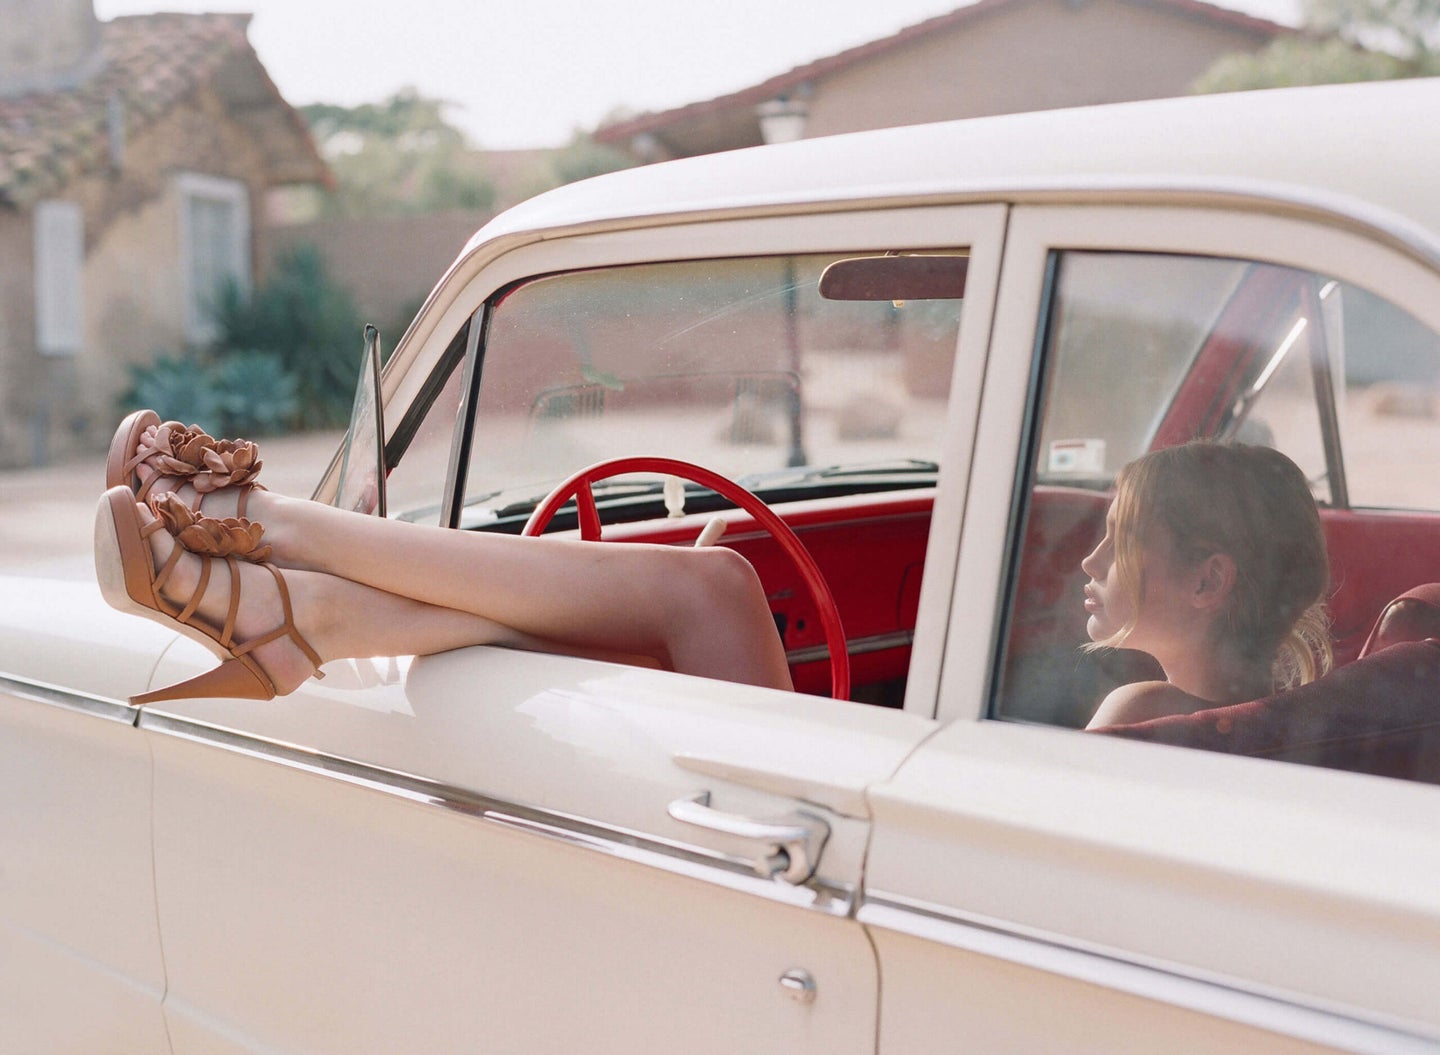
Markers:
point(1409, 29)
point(397, 156)
point(582, 158)
point(307, 323)
point(1343, 40)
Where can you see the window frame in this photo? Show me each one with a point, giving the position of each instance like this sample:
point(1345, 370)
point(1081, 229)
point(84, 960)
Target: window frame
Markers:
point(1333, 246)
point(978, 228)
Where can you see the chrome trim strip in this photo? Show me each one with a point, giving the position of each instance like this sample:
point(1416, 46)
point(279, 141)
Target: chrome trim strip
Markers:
point(697, 862)
point(1194, 990)
point(70, 699)
point(855, 646)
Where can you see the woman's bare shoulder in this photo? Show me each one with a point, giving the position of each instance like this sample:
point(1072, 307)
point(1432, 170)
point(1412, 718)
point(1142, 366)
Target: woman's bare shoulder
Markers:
point(1140, 701)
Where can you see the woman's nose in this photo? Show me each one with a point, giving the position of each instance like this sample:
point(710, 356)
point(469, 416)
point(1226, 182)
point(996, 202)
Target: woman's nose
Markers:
point(1091, 565)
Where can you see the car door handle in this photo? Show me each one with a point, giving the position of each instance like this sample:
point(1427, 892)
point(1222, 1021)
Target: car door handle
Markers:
point(788, 847)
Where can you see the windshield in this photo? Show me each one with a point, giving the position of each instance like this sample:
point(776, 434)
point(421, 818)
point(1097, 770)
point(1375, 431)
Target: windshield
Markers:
point(739, 365)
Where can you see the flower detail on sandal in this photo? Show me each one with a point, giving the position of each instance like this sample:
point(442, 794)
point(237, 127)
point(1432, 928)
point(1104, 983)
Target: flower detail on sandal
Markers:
point(210, 536)
point(190, 453)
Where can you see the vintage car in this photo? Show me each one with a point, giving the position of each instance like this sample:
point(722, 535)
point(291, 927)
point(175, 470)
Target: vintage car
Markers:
point(926, 352)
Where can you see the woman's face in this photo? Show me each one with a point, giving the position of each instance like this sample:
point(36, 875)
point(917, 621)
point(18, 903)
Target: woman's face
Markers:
point(1162, 596)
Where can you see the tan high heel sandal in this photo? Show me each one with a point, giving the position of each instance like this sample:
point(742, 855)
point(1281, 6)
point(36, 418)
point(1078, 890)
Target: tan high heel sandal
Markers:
point(130, 583)
point(184, 452)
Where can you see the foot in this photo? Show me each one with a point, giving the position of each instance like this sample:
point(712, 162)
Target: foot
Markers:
point(260, 610)
point(217, 473)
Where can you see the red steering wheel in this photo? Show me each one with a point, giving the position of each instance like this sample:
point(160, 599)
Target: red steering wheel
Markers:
point(578, 487)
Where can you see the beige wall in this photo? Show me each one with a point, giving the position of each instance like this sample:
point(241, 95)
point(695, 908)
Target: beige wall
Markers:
point(133, 289)
point(388, 264)
point(18, 363)
point(1039, 55)
point(133, 296)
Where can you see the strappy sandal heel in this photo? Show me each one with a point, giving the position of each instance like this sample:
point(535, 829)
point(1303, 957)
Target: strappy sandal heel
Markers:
point(181, 452)
point(130, 583)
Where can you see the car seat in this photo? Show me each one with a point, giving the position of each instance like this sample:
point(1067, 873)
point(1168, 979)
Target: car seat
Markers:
point(1413, 616)
point(1379, 715)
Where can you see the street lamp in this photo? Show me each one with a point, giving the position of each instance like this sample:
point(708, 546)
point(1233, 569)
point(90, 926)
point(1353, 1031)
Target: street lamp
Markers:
point(782, 120)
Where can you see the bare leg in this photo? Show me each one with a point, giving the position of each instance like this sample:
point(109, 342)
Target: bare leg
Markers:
point(339, 618)
point(698, 611)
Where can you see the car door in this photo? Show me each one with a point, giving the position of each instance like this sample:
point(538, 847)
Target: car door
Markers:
point(494, 850)
point(80, 961)
point(1033, 888)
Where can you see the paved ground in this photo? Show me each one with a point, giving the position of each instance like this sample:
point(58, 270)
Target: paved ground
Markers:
point(47, 515)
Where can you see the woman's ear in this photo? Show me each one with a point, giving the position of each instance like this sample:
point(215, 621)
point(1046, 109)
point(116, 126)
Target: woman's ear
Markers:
point(1215, 578)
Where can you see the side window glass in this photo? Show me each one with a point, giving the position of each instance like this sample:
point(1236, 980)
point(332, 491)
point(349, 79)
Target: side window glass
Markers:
point(1390, 401)
point(1186, 570)
point(415, 487)
point(1121, 322)
point(1284, 413)
point(814, 379)
point(1285, 386)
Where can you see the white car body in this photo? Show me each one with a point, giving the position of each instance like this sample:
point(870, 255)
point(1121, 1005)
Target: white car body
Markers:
point(474, 851)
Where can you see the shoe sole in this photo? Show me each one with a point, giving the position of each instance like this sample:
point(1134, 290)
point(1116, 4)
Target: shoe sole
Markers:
point(123, 566)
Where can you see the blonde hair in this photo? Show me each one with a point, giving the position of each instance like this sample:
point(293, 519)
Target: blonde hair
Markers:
point(1254, 505)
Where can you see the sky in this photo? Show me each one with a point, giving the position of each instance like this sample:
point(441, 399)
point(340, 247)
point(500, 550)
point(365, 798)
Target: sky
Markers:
point(530, 74)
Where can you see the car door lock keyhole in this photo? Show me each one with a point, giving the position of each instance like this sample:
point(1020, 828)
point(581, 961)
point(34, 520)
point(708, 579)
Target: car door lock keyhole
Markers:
point(799, 985)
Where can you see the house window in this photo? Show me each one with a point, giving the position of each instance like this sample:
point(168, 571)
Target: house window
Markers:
point(215, 246)
point(59, 261)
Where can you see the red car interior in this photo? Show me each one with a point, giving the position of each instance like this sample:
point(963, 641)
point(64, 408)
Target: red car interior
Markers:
point(870, 549)
point(1261, 305)
point(1413, 616)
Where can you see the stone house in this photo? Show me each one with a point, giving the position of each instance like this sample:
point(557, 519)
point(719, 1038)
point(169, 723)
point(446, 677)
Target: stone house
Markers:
point(136, 156)
point(990, 57)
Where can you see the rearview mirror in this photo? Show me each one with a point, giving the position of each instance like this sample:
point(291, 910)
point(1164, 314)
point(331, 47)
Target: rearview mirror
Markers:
point(898, 278)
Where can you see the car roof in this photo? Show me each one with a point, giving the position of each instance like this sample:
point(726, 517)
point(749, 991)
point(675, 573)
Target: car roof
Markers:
point(1360, 149)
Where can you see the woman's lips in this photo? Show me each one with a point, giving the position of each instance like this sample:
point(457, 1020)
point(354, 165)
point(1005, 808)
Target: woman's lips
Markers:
point(1092, 602)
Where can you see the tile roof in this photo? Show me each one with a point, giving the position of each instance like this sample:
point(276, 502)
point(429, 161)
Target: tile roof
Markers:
point(151, 62)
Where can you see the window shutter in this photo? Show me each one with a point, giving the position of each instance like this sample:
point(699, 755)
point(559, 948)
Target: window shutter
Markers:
point(59, 263)
point(215, 233)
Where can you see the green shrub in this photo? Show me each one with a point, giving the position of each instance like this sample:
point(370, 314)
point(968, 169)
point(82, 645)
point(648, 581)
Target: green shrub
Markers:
point(309, 323)
point(244, 394)
point(177, 387)
point(256, 394)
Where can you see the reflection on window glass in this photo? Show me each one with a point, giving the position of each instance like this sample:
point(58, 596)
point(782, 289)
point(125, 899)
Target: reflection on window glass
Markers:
point(1188, 572)
point(415, 488)
point(1390, 401)
point(1118, 324)
point(1279, 405)
point(738, 365)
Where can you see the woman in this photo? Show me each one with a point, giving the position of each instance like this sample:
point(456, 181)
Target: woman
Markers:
point(357, 586)
point(1214, 563)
